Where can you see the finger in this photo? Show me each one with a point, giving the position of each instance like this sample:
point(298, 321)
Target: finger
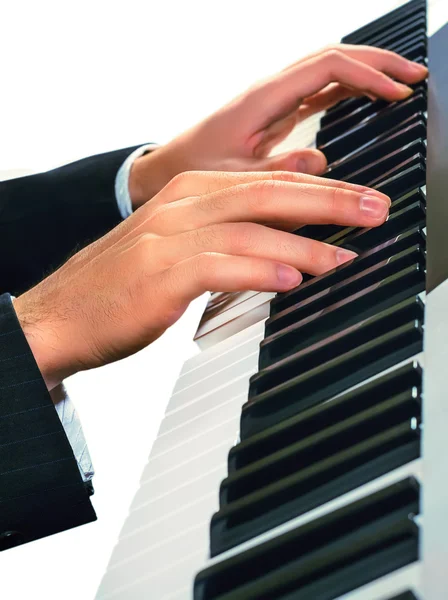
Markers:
point(257, 241)
point(275, 133)
point(308, 160)
point(194, 276)
point(385, 60)
point(199, 183)
point(325, 99)
point(196, 184)
point(267, 202)
point(316, 73)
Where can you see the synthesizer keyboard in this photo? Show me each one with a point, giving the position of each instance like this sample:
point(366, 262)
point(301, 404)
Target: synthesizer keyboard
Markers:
point(301, 454)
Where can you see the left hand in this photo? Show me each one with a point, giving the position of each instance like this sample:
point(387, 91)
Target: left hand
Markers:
point(240, 136)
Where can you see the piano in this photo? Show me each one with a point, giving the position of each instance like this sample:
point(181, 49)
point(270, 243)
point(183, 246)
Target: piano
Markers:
point(303, 451)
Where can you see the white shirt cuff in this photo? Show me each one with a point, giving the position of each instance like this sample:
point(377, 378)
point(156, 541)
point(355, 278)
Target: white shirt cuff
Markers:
point(122, 180)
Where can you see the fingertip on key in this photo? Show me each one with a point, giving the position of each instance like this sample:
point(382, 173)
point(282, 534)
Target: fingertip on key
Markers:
point(288, 277)
point(343, 255)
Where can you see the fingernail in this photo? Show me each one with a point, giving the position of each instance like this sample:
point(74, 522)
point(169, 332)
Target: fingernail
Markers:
point(288, 276)
point(343, 255)
point(417, 68)
point(373, 193)
point(301, 166)
point(373, 207)
point(404, 89)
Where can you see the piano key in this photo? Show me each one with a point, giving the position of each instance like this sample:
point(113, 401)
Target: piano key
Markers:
point(328, 348)
point(404, 133)
point(400, 188)
point(311, 421)
point(365, 260)
point(325, 381)
point(409, 595)
point(350, 285)
point(325, 443)
point(408, 41)
point(351, 310)
point(414, 7)
point(202, 423)
point(359, 115)
point(407, 176)
point(312, 486)
point(196, 513)
point(411, 25)
point(376, 169)
point(205, 400)
point(337, 127)
point(397, 184)
point(400, 221)
point(189, 449)
point(415, 52)
point(362, 134)
point(220, 351)
point(364, 529)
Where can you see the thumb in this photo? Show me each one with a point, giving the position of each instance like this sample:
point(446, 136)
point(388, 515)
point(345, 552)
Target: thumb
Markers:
point(308, 160)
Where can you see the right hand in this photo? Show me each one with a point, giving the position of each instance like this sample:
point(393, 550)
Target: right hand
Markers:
point(203, 231)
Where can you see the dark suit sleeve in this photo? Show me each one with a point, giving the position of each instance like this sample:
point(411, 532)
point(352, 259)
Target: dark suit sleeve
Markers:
point(41, 489)
point(44, 218)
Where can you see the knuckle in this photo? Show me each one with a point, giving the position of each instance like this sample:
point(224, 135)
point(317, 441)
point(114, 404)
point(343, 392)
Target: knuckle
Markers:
point(336, 199)
point(179, 182)
point(285, 176)
point(261, 194)
point(158, 218)
point(144, 247)
point(241, 236)
point(334, 55)
point(204, 266)
point(318, 256)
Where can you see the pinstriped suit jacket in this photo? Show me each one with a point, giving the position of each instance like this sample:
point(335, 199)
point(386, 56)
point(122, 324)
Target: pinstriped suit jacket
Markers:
point(43, 219)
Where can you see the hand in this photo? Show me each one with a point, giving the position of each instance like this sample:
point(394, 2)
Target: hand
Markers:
point(203, 231)
point(241, 135)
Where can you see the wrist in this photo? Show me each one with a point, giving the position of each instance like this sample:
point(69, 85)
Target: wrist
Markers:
point(150, 173)
point(42, 340)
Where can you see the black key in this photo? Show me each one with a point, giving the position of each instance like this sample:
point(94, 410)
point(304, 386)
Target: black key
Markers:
point(381, 522)
point(334, 293)
point(400, 382)
point(351, 310)
point(313, 486)
point(347, 106)
point(321, 352)
point(378, 168)
point(400, 221)
point(343, 108)
point(315, 285)
point(391, 182)
point(386, 21)
point(399, 136)
point(396, 187)
point(343, 124)
point(415, 52)
point(401, 46)
point(342, 436)
point(413, 25)
point(359, 135)
point(409, 595)
point(325, 381)
point(407, 183)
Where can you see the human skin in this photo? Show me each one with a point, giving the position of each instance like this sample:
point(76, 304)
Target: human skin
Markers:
point(215, 212)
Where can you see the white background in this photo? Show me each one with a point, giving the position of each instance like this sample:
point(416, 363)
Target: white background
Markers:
point(84, 77)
